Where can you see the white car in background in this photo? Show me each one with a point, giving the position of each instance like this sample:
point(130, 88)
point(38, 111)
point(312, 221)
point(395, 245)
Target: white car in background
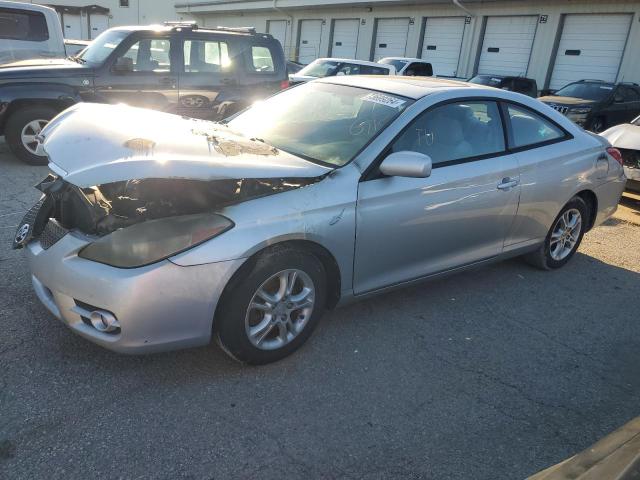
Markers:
point(626, 138)
point(29, 31)
point(410, 67)
point(330, 67)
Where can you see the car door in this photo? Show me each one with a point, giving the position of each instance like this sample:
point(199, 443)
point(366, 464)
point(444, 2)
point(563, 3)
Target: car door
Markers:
point(408, 228)
point(208, 76)
point(548, 162)
point(142, 73)
point(629, 104)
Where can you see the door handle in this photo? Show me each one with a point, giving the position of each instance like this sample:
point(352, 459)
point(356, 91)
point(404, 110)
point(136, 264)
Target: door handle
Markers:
point(507, 183)
point(228, 81)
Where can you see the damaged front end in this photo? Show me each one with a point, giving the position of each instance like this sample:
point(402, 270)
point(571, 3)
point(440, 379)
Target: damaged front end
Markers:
point(136, 222)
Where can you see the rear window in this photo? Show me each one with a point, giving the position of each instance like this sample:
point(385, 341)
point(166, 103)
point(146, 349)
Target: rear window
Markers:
point(261, 59)
point(23, 25)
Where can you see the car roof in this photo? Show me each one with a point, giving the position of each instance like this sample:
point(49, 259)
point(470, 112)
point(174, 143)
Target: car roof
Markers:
point(351, 60)
point(411, 87)
point(406, 59)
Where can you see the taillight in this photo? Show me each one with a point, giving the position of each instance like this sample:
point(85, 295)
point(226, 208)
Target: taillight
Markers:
point(615, 153)
point(284, 84)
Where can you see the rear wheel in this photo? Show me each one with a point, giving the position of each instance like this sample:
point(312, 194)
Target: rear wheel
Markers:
point(564, 237)
point(22, 130)
point(269, 311)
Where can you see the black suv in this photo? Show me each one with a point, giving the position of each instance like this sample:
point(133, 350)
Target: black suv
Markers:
point(178, 68)
point(596, 105)
point(526, 86)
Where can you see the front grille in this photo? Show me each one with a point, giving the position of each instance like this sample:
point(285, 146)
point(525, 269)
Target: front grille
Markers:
point(560, 108)
point(52, 233)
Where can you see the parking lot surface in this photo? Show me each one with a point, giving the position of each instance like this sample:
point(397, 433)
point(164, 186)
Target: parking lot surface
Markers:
point(492, 374)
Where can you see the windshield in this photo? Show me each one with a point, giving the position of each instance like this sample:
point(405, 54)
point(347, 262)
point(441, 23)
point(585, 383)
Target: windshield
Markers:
point(100, 48)
point(487, 80)
point(320, 122)
point(399, 64)
point(320, 68)
point(588, 91)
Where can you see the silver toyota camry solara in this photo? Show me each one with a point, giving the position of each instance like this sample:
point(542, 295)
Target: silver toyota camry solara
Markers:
point(157, 232)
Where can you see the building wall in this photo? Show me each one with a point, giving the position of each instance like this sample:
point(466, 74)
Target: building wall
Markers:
point(139, 12)
point(542, 54)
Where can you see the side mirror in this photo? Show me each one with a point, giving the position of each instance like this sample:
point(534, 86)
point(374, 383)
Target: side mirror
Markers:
point(123, 65)
point(406, 164)
point(618, 99)
point(340, 73)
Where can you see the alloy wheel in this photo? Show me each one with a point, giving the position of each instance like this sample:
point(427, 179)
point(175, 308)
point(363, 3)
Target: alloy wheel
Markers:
point(29, 136)
point(565, 234)
point(280, 309)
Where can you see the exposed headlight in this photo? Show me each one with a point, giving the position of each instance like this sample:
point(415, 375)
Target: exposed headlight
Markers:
point(580, 110)
point(154, 240)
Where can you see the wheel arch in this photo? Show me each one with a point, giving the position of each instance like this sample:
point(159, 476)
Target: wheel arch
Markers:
point(320, 252)
point(590, 198)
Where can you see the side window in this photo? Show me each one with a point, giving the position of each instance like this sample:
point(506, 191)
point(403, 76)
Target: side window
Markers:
point(370, 70)
point(150, 55)
point(23, 25)
point(455, 131)
point(203, 56)
point(629, 94)
point(262, 60)
point(419, 69)
point(349, 69)
point(529, 128)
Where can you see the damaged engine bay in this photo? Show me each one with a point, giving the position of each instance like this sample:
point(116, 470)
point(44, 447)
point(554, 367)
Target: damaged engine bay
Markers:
point(102, 209)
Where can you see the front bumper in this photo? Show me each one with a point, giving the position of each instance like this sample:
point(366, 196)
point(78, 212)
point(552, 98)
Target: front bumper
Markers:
point(159, 307)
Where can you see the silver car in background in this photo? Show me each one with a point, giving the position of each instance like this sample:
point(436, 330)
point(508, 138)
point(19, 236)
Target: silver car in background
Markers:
point(158, 232)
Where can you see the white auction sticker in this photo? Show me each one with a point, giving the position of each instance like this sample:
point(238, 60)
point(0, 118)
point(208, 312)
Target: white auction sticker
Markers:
point(382, 99)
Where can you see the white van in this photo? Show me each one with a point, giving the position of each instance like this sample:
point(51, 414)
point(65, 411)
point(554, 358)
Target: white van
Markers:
point(29, 31)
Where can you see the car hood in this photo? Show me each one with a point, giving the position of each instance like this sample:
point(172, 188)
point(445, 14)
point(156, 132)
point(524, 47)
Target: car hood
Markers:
point(42, 67)
point(570, 101)
point(92, 144)
point(625, 136)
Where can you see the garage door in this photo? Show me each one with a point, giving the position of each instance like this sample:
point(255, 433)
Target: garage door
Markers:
point(98, 23)
point(441, 44)
point(344, 43)
point(278, 29)
point(391, 37)
point(309, 40)
point(591, 46)
point(72, 26)
point(507, 43)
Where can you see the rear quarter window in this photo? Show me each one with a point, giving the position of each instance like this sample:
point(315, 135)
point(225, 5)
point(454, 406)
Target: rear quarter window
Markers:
point(23, 25)
point(262, 59)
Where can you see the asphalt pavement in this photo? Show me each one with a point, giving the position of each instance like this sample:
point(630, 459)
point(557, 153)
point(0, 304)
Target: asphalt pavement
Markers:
point(491, 374)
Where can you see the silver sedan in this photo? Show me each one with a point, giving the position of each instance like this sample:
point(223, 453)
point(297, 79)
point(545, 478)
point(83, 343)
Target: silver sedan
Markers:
point(157, 232)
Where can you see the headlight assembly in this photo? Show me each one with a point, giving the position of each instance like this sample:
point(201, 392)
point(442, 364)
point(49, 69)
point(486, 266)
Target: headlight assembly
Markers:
point(154, 240)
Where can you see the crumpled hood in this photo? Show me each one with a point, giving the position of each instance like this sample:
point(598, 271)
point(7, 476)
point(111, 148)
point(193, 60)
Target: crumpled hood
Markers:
point(569, 101)
point(92, 144)
point(625, 135)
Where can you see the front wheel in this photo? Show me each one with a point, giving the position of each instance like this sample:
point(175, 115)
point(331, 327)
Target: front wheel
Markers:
point(22, 130)
point(598, 125)
point(564, 237)
point(269, 311)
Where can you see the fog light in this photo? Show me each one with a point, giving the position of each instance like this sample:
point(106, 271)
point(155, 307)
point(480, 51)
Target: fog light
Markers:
point(103, 321)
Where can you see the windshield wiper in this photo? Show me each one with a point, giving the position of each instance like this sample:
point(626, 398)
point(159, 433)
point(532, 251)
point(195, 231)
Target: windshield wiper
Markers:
point(76, 59)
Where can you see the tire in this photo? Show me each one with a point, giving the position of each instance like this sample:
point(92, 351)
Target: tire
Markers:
point(598, 125)
point(235, 320)
point(24, 120)
point(548, 256)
